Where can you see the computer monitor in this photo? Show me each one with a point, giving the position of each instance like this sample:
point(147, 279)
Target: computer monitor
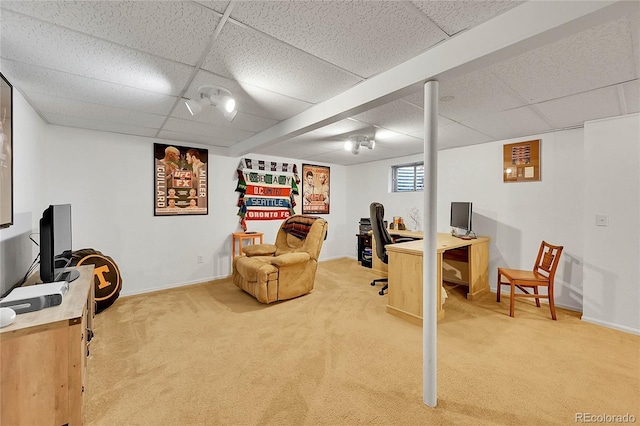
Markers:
point(461, 213)
point(55, 244)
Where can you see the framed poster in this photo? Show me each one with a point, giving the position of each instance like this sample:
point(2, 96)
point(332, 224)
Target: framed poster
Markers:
point(181, 180)
point(315, 189)
point(521, 161)
point(6, 153)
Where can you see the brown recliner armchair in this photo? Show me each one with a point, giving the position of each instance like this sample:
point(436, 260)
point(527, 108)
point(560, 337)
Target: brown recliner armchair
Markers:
point(286, 269)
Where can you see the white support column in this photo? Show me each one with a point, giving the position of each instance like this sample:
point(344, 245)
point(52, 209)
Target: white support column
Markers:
point(429, 267)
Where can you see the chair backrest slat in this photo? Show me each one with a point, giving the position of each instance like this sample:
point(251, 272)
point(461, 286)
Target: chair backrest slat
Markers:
point(548, 259)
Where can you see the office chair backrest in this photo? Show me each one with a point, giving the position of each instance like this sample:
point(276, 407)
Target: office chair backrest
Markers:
point(382, 237)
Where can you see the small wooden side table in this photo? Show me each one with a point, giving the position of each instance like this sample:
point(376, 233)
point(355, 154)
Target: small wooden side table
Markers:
point(239, 237)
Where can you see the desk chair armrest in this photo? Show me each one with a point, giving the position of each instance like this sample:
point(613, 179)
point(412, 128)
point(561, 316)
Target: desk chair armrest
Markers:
point(402, 239)
point(290, 259)
point(259, 250)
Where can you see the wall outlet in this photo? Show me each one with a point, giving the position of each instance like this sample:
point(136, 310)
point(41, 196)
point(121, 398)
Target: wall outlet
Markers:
point(602, 220)
point(200, 259)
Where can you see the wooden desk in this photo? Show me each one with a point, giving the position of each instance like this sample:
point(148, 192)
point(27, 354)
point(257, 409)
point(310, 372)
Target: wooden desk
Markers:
point(239, 237)
point(405, 273)
point(378, 265)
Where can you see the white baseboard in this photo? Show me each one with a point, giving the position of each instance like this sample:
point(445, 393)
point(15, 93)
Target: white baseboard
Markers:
point(336, 257)
point(611, 325)
point(169, 286)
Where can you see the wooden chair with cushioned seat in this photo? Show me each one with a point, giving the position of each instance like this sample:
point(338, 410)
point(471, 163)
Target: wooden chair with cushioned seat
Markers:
point(542, 275)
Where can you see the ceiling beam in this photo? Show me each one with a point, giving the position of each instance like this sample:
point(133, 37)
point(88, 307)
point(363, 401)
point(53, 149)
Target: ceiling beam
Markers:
point(521, 29)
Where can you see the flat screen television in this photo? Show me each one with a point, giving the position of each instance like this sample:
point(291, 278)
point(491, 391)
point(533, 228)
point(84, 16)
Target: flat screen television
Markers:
point(461, 213)
point(55, 244)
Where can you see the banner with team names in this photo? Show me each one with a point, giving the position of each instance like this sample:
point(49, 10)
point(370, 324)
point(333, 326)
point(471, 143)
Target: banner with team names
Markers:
point(266, 190)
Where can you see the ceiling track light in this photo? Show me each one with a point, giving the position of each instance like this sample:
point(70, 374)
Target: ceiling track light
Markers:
point(356, 141)
point(216, 96)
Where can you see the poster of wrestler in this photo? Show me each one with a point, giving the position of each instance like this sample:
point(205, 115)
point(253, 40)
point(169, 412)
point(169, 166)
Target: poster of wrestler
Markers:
point(181, 181)
point(315, 189)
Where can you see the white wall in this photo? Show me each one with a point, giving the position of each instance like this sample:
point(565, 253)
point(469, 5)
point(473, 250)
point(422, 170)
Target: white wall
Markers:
point(16, 250)
point(517, 216)
point(612, 253)
point(370, 182)
point(108, 179)
point(584, 173)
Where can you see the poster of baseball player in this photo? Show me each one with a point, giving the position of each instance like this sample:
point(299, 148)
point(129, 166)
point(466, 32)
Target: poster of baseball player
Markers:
point(315, 189)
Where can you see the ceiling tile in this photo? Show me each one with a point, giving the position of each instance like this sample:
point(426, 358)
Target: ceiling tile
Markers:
point(475, 94)
point(304, 146)
point(35, 42)
point(575, 110)
point(342, 129)
point(455, 16)
point(214, 132)
point(94, 124)
point(218, 6)
point(344, 158)
point(175, 30)
point(509, 124)
point(407, 145)
point(393, 140)
point(455, 135)
point(79, 109)
point(70, 86)
point(362, 37)
point(217, 145)
point(399, 116)
point(460, 101)
point(250, 57)
point(591, 59)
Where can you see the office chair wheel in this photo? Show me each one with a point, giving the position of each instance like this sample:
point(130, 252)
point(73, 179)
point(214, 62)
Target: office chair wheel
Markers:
point(373, 283)
point(381, 292)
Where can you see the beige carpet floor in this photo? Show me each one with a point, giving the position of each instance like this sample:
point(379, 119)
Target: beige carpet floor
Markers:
point(210, 354)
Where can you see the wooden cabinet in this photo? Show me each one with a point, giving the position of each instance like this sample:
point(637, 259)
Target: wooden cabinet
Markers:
point(43, 359)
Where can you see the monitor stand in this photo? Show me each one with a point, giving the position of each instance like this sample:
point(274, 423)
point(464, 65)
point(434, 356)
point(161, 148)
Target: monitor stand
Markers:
point(465, 235)
point(67, 275)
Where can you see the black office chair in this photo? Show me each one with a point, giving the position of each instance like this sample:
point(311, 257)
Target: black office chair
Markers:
point(382, 238)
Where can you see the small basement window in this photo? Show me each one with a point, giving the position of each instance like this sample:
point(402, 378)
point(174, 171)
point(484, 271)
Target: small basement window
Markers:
point(408, 177)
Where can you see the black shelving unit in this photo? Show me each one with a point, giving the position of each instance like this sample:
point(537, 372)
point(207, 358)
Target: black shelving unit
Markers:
point(364, 250)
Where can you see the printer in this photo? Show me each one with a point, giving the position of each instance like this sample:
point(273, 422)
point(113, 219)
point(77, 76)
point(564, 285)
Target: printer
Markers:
point(365, 225)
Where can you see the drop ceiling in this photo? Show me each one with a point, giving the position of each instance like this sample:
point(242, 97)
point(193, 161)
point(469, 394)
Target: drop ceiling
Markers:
point(128, 66)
